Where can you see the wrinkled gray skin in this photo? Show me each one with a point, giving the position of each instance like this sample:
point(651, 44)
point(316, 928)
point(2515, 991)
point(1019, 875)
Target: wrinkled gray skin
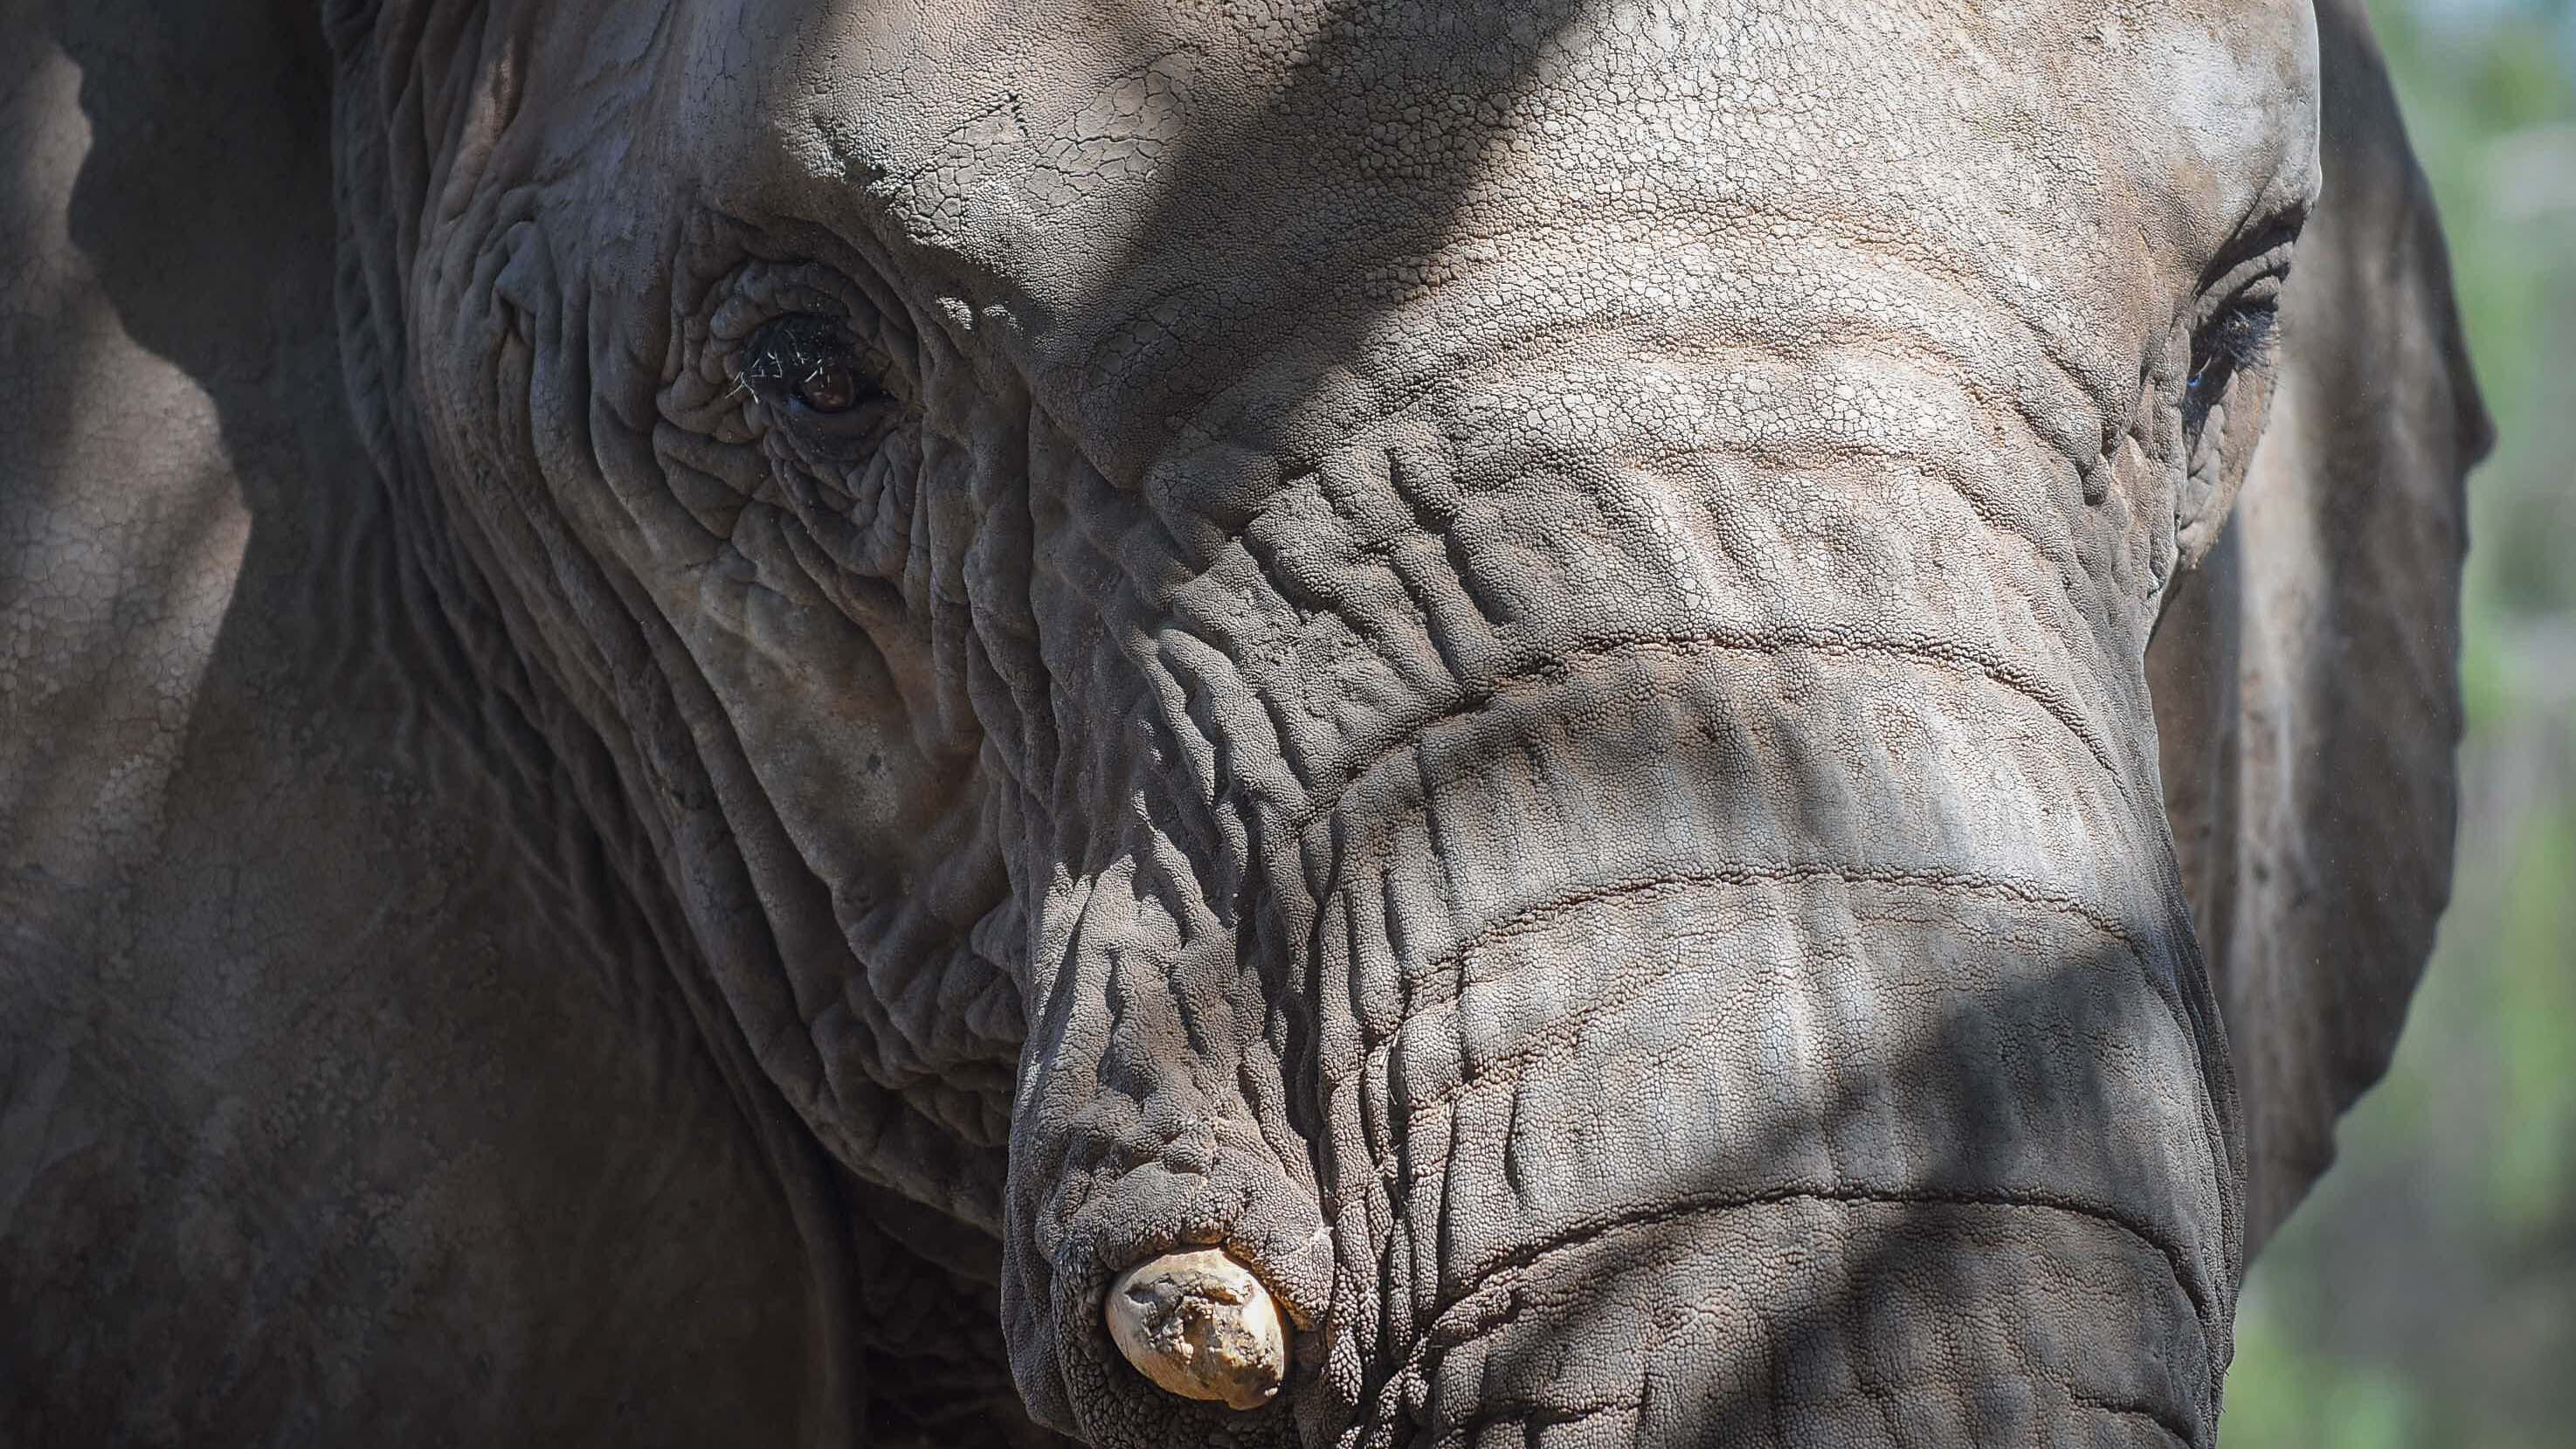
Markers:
point(1494, 654)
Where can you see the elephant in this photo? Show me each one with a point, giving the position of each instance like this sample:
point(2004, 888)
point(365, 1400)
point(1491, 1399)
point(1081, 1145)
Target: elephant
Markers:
point(1167, 722)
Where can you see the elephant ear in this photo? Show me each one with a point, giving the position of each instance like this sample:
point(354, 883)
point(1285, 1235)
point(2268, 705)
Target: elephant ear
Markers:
point(2305, 679)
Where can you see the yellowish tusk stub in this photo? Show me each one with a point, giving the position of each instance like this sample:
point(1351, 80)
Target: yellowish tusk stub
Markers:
point(1201, 1326)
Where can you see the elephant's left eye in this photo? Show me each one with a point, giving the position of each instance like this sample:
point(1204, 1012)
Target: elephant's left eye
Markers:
point(2238, 340)
point(2239, 313)
point(807, 362)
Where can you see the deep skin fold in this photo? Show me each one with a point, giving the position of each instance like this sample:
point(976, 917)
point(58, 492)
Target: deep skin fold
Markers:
point(1243, 533)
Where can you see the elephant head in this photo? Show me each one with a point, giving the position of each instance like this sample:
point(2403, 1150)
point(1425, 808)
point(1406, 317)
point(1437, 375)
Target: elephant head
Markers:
point(1436, 719)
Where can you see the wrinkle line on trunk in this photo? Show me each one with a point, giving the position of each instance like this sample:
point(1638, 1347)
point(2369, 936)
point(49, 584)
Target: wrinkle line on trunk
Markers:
point(1999, 888)
point(1712, 1204)
point(1965, 658)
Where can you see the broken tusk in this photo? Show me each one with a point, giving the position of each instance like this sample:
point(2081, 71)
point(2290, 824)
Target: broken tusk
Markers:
point(1201, 1326)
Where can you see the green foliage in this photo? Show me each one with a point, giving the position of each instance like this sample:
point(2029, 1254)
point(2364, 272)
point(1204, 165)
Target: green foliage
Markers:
point(2426, 1294)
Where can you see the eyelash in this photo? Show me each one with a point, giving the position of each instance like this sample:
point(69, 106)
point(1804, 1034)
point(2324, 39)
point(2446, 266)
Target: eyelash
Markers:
point(805, 361)
point(2237, 340)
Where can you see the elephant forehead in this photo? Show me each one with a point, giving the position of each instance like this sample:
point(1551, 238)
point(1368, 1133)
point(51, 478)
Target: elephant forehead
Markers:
point(1139, 186)
point(2240, 102)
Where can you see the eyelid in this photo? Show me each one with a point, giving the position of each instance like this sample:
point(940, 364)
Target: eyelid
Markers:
point(2254, 281)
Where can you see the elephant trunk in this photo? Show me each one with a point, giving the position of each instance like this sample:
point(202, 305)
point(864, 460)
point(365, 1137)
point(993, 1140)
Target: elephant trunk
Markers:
point(1726, 1045)
point(1757, 1045)
point(1663, 935)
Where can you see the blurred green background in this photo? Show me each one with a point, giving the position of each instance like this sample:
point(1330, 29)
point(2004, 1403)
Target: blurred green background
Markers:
point(2426, 1292)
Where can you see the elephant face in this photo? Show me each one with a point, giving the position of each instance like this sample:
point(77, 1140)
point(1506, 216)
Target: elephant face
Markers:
point(1487, 657)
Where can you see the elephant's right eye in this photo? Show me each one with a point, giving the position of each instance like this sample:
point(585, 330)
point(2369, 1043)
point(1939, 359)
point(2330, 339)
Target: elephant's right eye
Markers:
point(831, 387)
point(807, 364)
